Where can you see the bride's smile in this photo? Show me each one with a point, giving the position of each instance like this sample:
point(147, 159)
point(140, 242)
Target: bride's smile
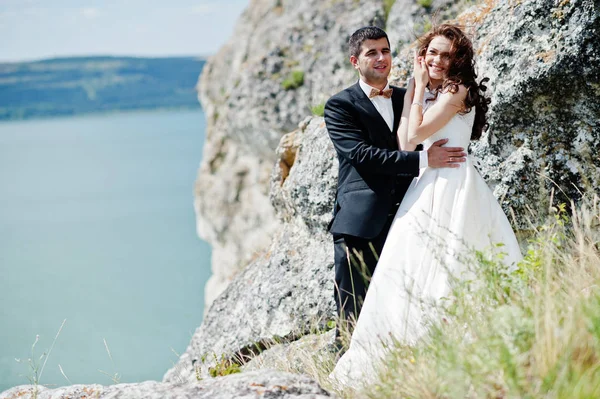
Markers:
point(437, 59)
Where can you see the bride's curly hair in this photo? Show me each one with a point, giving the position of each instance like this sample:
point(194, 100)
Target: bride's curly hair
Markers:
point(461, 71)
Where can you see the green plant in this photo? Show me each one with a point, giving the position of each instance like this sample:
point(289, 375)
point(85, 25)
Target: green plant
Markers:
point(293, 81)
point(424, 26)
point(427, 25)
point(425, 3)
point(318, 110)
point(387, 7)
point(224, 366)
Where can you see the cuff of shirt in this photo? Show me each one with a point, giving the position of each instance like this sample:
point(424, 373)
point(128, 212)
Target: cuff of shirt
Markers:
point(423, 160)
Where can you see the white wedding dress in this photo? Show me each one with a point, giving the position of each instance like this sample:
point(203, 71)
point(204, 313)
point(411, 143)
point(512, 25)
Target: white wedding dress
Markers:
point(446, 214)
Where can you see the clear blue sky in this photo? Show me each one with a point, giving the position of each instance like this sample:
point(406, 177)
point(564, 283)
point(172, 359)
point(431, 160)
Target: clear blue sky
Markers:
point(35, 29)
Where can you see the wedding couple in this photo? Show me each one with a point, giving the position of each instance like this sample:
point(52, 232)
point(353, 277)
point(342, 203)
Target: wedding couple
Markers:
point(402, 216)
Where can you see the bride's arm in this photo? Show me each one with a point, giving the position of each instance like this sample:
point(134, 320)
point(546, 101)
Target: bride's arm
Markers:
point(421, 126)
point(402, 133)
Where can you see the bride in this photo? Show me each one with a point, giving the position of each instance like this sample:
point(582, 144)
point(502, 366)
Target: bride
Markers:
point(445, 214)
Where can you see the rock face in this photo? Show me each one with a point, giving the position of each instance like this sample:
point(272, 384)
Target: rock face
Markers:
point(300, 356)
point(543, 61)
point(284, 58)
point(409, 19)
point(257, 384)
point(287, 292)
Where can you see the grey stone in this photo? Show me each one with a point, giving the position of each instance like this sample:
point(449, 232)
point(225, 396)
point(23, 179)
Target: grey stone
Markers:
point(308, 192)
point(255, 384)
point(287, 292)
point(543, 59)
point(301, 356)
point(248, 111)
point(233, 212)
point(408, 19)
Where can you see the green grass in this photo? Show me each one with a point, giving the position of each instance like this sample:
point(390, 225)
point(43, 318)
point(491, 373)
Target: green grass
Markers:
point(293, 81)
point(318, 110)
point(223, 367)
point(387, 7)
point(425, 3)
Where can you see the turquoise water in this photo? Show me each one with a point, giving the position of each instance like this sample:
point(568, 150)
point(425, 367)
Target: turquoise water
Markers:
point(97, 227)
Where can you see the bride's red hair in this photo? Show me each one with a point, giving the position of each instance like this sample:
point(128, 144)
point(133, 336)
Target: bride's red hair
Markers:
point(461, 71)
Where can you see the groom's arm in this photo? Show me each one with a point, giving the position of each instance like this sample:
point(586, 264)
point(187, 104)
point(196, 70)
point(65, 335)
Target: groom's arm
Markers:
point(350, 142)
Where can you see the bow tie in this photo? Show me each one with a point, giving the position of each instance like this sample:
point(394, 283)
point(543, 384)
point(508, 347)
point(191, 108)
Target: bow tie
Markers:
point(386, 93)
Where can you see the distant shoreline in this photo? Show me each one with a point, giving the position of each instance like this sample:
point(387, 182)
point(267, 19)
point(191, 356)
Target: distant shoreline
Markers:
point(198, 107)
point(103, 56)
point(72, 86)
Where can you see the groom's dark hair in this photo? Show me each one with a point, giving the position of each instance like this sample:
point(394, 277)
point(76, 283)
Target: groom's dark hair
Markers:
point(366, 33)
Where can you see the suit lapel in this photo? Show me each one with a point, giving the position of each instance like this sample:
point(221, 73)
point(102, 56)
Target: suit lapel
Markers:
point(363, 101)
point(397, 104)
point(376, 121)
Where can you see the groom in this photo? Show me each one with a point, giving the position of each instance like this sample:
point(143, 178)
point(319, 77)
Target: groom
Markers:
point(374, 174)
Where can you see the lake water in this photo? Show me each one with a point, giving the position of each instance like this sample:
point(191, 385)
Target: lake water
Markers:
point(97, 227)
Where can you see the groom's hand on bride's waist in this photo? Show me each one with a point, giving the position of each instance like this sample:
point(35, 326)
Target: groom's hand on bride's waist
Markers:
point(445, 157)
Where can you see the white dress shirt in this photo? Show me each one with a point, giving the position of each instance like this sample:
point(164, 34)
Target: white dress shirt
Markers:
point(386, 110)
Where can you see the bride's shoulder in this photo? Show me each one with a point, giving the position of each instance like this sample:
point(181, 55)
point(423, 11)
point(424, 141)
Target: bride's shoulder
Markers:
point(455, 94)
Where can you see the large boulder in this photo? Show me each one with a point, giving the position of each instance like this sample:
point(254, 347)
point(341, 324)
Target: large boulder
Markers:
point(544, 66)
point(311, 354)
point(287, 292)
point(543, 61)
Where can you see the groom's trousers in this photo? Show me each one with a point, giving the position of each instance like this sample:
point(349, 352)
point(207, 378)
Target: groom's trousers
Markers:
point(355, 259)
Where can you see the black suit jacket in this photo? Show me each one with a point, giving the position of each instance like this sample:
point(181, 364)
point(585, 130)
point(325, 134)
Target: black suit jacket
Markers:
point(373, 173)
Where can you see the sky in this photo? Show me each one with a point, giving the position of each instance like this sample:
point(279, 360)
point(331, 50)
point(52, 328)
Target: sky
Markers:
point(37, 29)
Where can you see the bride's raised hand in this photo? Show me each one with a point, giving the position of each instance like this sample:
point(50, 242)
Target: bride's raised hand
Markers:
point(420, 71)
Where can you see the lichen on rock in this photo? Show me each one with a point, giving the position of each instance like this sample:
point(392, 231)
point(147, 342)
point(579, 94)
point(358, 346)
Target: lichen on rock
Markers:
point(542, 58)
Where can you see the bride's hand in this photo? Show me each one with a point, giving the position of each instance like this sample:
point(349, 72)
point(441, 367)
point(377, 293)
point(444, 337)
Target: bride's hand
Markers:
point(420, 71)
